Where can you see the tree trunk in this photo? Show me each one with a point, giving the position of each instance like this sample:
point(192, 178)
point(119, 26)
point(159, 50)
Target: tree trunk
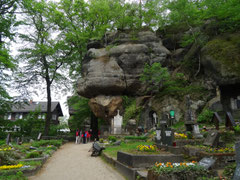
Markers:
point(49, 103)
point(94, 126)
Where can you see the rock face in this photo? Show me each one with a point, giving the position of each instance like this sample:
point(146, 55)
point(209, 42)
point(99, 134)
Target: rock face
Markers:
point(220, 59)
point(105, 107)
point(115, 69)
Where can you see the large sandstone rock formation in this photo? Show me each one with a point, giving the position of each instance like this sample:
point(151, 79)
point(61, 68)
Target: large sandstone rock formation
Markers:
point(114, 68)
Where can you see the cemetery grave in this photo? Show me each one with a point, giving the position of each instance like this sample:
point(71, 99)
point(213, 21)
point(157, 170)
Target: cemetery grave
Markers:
point(26, 158)
point(210, 146)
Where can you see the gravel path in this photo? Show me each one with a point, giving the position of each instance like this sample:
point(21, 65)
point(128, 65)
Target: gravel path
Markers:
point(73, 162)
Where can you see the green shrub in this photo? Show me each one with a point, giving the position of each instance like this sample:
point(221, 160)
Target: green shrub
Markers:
point(56, 143)
point(101, 140)
point(136, 137)
point(237, 130)
point(205, 116)
point(2, 142)
point(112, 138)
point(189, 135)
point(227, 136)
point(33, 154)
point(229, 170)
point(19, 176)
point(6, 158)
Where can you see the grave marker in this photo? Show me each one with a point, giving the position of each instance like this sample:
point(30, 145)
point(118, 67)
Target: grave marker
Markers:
point(216, 119)
point(196, 131)
point(229, 121)
point(169, 137)
point(212, 139)
point(39, 136)
point(8, 139)
point(206, 162)
point(237, 170)
point(18, 140)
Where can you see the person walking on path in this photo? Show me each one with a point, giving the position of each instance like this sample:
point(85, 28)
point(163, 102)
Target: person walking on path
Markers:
point(77, 136)
point(84, 137)
point(80, 136)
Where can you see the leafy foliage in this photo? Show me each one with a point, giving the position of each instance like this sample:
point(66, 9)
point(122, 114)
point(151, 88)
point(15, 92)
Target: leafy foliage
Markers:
point(154, 76)
point(56, 143)
point(80, 111)
point(205, 116)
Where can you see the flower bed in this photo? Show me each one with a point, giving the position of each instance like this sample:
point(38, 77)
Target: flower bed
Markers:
point(180, 136)
point(147, 148)
point(10, 166)
point(14, 158)
point(222, 155)
point(177, 171)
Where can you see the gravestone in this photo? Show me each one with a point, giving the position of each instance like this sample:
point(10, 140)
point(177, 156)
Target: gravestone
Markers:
point(117, 124)
point(164, 119)
point(237, 170)
point(117, 143)
point(18, 140)
point(206, 162)
point(196, 131)
point(8, 139)
point(229, 121)
point(39, 136)
point(212, 139)
point(158, 136)
point(216, 119)
point(189, 118)
point(169, 137)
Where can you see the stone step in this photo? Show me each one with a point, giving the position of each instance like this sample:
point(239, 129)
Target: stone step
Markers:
point(141, 175)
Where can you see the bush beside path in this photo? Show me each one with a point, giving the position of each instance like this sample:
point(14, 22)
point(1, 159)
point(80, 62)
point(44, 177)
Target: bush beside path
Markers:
point(73, 161)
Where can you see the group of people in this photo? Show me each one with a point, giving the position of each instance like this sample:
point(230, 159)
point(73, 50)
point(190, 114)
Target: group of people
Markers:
point(83, 136)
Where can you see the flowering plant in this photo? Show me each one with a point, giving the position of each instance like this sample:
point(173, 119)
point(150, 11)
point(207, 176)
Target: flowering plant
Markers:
point(181, 170)
point(180, 136)
point(172, 165)
point(6, 149)
point(219, 150)
point(11, 166)
point(148, 148)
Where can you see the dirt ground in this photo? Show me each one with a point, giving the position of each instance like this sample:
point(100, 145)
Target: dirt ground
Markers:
point(73, 162)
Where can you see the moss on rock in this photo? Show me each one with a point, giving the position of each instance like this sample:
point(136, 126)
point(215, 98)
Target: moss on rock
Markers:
point(226, 50)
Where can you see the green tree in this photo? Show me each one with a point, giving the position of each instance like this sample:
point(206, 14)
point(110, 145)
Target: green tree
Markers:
point(45, 55)
point(81, 111)
point(7, 64)
point(154, 76)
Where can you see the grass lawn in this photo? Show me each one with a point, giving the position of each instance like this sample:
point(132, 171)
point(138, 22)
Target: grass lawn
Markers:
point(130, 147)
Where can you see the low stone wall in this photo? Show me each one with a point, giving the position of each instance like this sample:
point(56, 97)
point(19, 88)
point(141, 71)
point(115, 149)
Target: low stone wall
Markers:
point(183, 142)
point(128, 172)
point(144, 161)
point(222, 159)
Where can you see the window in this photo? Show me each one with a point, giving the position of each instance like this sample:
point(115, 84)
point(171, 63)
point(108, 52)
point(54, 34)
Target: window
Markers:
point(54, 117)
point(9, 116)
point(17, 116)
point(20, 115)
point(39, 116)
